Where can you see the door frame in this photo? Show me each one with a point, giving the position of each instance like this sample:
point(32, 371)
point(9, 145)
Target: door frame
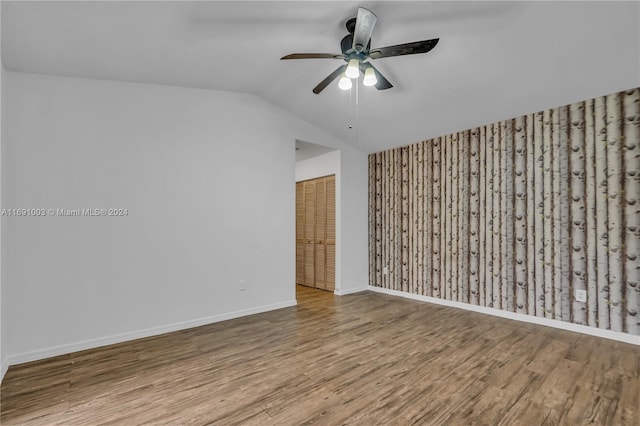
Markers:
point(321, 166)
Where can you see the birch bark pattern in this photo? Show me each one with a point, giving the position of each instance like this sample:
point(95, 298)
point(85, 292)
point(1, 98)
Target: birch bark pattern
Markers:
point(517, 215)
point(506, 230)
point(436, 219)
point(564, 248)
point(463, 219)
point(489, 218)
point(482, 251)
point(474, 212)
point(371, 215)
point(520, 216)
point(548, 241)
point(590, 209)
point(578, 219)
point(455, 176)
point(614, 197)
point(404, 215)
point(632, 209)
point(397, 218)
point(384, 183)
point(390, 246)
point(453, 212)
point(443, 216)
point(530, 217)
point(422, 217)
point(448, 218)
point(376, 278)
point(497, 218)
point(429, 227)
point(557, 151)
point(414, 193)
point(384, 218)
point(602, 210)
point(539, 217)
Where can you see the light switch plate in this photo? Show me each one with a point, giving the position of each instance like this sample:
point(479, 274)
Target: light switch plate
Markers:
point(581, 296)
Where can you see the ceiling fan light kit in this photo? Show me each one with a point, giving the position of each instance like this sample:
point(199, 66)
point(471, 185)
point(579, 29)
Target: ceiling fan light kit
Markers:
point(353, 69)
point(357, 52)
point(344, 83)
point(369, 77)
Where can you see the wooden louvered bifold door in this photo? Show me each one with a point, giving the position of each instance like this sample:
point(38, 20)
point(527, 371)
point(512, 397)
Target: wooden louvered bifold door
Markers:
point(309, 233)
point(300, 233)
point(330, 237)
point(321, 223)
point(315, 233)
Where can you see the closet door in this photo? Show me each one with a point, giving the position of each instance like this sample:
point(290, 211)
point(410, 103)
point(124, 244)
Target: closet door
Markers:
point(300, 233)
point(316, 233)
point(321, 224)
point(309, 232)
point(330, 236)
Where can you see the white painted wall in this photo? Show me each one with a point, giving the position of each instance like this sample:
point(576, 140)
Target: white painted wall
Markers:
point(354, 206)
point(321, 165)
point(3, 323)
point(208, 178)
point(3, 366)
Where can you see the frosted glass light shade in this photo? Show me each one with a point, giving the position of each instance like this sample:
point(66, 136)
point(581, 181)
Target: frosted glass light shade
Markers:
point(369, 77)
point(353, 69)
point(344, 83)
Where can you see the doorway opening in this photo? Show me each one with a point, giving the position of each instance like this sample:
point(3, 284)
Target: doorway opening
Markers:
point(317, 195)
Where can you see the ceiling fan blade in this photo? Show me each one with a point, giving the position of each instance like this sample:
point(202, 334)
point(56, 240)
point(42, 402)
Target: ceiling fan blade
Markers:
point(312, 56)
point(324, 83)
point(365, 21)
point(404, 49)
point(382, 83)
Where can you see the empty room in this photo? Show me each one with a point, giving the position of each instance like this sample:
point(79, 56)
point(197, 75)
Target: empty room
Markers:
point(336, 213)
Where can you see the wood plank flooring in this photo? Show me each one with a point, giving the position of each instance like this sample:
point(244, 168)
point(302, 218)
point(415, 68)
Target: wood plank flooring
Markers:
point(361, 359)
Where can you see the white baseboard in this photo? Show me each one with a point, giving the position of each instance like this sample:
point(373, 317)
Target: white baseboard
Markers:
point(3, 369)
point(350, 291)
point(592, 331)
point(139, 334)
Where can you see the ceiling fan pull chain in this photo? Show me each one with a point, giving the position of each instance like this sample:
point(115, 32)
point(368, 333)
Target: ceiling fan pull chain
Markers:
point(357, 102)
point(350, 108)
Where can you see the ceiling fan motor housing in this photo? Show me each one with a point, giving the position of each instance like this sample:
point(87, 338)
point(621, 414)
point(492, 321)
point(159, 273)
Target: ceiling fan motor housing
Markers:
point(346, 45)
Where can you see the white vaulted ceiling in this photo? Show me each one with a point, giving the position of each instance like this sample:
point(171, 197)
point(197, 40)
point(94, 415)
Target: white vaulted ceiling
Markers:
point(495, 60)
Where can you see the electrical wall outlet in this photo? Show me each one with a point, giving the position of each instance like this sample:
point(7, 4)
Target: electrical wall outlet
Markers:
point(581, 296)
point(385, 271)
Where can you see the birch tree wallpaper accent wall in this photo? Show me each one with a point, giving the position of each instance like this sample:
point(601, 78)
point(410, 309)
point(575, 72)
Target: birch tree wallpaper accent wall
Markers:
point(518, 215)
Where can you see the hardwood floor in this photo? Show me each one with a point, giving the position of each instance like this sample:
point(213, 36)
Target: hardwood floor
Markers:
point(365, 359)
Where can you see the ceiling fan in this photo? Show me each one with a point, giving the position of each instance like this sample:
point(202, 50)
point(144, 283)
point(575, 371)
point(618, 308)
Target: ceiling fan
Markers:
point(357, 52)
